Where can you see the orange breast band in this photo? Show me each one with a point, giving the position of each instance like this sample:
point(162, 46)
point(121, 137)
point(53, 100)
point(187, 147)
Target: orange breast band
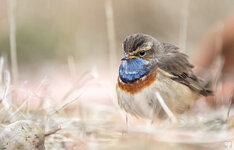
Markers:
point(139, 85)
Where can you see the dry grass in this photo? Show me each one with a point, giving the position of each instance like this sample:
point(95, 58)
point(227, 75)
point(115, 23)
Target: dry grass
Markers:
point(73, 125)
point(12, 33)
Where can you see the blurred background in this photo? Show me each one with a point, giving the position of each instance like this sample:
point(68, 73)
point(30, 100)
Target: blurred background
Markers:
point(66, 64)
point(88, 34)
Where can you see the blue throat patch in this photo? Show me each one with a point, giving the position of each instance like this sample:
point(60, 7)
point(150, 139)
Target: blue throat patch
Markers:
point(132, 70)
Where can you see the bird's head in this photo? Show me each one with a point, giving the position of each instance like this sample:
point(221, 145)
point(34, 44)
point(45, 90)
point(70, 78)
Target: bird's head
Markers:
point(139, 54)
point(140, 46)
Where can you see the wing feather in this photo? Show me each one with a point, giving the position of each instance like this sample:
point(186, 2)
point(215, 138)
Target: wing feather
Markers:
point(176, 63)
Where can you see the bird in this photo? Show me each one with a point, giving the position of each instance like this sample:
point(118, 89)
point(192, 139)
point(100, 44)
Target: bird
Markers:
point(149, 66)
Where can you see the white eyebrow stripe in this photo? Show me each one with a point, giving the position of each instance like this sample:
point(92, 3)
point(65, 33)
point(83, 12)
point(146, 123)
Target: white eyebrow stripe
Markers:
point(149, 45)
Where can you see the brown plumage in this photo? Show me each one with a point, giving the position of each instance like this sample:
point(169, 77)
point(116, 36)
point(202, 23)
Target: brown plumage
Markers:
point(168, 58)
point(177, 64)
point(150, 66)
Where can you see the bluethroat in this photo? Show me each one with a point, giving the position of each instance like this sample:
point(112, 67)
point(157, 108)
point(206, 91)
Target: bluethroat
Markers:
point(150, 66)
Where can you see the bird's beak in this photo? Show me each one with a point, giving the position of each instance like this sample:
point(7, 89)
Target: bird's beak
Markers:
point(126, 57)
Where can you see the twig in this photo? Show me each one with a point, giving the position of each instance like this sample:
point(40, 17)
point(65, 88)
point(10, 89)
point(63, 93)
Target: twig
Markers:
point(11, 16)
point(18, 109)
point(1, 68)
point(66, 104)
point(7, 81)
point(111, 33)
point(72, 66)
point(53, 131)
point(184, 24)
point(126, 120)
point(229, 107)
point(165, 108)
point(43, 83)
point(81, 81)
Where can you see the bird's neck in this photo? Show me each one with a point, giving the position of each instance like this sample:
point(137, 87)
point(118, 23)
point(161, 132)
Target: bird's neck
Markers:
point(132, 70)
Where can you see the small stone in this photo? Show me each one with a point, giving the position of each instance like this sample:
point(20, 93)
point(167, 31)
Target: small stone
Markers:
point(22, 135)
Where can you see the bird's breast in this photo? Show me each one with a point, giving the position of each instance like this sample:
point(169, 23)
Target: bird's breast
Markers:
point(139, 85)
point(139, 99)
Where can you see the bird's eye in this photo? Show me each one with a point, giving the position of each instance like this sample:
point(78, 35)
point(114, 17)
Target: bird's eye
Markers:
point(142, 53)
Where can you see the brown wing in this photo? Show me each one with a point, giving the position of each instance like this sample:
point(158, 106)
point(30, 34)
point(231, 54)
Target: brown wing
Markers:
point(177, 64)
